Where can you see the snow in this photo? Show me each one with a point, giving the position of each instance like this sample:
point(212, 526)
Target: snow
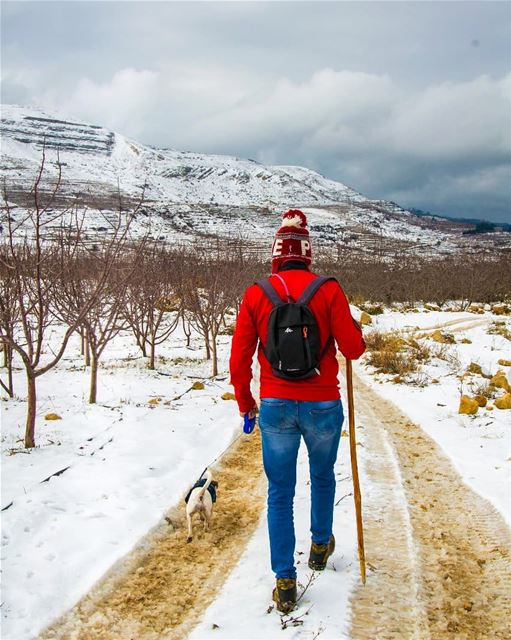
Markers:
point(479, 446)
point(228, 191)
point(130, 461)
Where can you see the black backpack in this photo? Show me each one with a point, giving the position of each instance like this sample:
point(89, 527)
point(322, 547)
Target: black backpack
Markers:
point(293, 347)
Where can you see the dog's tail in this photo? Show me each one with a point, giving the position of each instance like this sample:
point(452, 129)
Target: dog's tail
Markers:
point(209, 478)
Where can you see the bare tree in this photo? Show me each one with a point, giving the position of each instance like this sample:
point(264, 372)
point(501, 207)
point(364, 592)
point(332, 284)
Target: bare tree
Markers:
point(9, 316)
point(92, 292)
point(210, 286)
point(41, 249)
point(153, 308)
point(34, 267)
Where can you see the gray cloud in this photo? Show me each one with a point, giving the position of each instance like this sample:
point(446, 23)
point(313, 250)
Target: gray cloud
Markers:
point(408, 101)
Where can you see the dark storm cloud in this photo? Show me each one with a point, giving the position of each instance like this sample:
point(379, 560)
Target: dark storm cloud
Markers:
point(409, 101)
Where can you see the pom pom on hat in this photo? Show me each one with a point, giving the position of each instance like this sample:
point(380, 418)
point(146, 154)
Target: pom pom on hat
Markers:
point(294, 218)
point(291, 240)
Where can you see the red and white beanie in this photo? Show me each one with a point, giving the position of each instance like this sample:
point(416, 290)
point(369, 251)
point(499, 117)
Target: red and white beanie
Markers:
point(292, 240)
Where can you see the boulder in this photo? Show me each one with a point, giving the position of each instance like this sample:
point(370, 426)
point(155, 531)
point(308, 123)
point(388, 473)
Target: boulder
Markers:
point(468, 405)
point(365, 318)
point(442, 338)
point(500, 381)
point(431, 306)
point(475, 368)
point(372, 309)
point(228, 396)
point(504, 363)
point(475, 308)
point(228, 330)
point(501, 309)
point(52, 416)
point(504, 402)
point(198, 386)
point(168, 303)
point(482, 401)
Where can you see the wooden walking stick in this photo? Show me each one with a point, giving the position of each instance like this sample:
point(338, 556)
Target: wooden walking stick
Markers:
point(354, 471)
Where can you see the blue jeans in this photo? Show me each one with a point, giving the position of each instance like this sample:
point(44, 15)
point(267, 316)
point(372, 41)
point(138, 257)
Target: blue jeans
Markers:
point(282, 423)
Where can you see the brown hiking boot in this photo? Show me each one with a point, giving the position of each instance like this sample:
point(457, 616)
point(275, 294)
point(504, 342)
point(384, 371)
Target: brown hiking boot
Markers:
point(284, 594)
point(320, 553)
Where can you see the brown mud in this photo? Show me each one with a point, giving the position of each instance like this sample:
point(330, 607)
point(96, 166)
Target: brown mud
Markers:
point(162, 588)
point(439, 555)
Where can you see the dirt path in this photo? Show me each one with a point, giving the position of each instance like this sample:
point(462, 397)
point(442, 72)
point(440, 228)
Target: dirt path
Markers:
point(460, 324)
point(439, 554)
point(162, 588)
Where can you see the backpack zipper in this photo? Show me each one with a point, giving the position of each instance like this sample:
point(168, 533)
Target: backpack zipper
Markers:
point(305, 333)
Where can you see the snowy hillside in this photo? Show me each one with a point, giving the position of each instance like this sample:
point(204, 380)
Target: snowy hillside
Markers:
point(186, 193)
point(92, 154)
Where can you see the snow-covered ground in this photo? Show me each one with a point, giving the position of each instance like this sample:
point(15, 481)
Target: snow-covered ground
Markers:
point(134, 454)
point(478, 445)
point(129, 460)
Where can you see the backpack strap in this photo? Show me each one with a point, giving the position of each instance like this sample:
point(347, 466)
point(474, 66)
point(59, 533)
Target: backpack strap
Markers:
point(312, 287)
point(269, 290)
point(286, 289)
point(306, 297)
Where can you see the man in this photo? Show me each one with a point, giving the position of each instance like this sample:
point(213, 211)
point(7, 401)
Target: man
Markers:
point(292, 408)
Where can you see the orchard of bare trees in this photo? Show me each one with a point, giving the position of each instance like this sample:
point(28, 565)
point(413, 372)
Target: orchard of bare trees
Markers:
point(56, 280)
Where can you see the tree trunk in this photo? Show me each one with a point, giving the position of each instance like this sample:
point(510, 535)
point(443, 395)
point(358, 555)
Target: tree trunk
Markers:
point(141, 342)
point(93, 379)
point(10, 383)
point(82, 343)
point(208, 348)
point(215, 357)
point(87, 351)
point(31, 408)
point(151, 356)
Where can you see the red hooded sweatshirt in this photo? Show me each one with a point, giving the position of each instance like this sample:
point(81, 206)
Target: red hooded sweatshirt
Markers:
point(333, 317)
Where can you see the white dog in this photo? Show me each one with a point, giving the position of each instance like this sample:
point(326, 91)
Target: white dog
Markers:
point(200, 499)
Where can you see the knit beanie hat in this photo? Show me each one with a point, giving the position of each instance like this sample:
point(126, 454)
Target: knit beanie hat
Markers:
point(292, 240)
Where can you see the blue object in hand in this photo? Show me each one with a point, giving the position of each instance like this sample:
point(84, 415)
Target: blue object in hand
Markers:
point(248, 423)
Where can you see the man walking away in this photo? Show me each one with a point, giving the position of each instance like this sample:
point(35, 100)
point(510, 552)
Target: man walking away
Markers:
point(296, 320)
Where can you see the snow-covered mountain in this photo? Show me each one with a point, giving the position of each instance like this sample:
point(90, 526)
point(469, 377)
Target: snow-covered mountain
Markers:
point(189, 193)
point(92, 154)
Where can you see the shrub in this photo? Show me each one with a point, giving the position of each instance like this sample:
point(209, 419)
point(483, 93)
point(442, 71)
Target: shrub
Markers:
point(499, 328)
point(390, 353)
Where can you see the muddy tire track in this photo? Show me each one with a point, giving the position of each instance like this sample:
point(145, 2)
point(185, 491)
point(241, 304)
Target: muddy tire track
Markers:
point(438, 553)
point(460, 324)
point(162, 588)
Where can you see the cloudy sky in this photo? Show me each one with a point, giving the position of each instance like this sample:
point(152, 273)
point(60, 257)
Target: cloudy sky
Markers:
point(408, 101)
